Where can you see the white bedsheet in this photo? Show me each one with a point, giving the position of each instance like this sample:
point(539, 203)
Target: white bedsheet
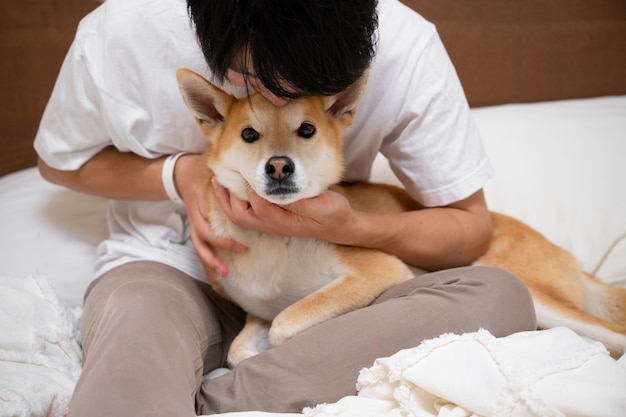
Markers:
point(560, 166)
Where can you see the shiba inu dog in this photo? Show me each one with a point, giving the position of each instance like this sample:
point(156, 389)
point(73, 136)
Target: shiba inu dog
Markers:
point(285, 154)
point(287, 285)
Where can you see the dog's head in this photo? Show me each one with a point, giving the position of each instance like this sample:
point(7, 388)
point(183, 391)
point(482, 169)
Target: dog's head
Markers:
point(284, 153)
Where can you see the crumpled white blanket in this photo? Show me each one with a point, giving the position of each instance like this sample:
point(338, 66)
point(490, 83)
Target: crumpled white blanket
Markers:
point(39, 352)
point(544, 373)
point(549, 373)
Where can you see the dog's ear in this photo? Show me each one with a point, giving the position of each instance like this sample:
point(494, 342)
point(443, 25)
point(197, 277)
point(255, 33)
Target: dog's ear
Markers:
point(343, 105)
point(207, 103)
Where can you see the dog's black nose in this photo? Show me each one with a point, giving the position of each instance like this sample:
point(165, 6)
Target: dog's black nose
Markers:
point(279, 167)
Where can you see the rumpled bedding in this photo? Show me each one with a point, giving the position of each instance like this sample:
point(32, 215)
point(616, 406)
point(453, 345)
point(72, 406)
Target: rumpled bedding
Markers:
point(40, 356)
point(546, 373)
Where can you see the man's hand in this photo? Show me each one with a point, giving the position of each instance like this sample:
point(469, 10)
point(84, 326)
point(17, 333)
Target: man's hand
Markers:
point(191, 184)
point(430, 238)
point(323, 217)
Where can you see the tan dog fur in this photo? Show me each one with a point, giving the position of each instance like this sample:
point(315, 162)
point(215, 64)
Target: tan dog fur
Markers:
point(295, 283)
point(563, 294)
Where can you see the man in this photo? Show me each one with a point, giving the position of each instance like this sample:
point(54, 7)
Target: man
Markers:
point(116, 126)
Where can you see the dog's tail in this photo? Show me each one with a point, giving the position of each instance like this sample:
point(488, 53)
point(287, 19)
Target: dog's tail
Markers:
point(563, 294)
point(603, 316)
point(604, 300)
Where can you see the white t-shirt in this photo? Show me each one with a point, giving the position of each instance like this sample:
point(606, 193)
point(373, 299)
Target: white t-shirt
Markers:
point(117, 87)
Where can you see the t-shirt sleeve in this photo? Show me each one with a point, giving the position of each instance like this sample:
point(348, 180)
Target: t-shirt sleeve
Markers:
point(435, 148)
point(72, 129)
point(414, 111)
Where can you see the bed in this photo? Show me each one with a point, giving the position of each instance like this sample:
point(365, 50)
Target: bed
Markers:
point(546, 80)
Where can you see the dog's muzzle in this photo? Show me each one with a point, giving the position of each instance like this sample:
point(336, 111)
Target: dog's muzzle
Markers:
point(279, 176)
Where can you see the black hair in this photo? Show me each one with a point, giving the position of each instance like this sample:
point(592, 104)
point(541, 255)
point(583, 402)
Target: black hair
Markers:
point(295, 47)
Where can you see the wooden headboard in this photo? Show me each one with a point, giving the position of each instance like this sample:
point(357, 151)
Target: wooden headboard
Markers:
point(504, 51)
point(533, 50)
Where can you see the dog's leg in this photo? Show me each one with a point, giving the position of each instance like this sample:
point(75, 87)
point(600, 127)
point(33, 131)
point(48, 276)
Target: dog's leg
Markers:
point(352, 291)
point(604, 300)
point(551, 313)
point(252, 340)
point(337, 298)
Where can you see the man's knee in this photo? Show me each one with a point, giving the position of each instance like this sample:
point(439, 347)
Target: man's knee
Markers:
point(145, 296)
point(508, 294)
point(137, 285)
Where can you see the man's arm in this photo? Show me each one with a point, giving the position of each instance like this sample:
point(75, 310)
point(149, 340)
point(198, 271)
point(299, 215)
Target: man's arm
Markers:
point(112, 174)
point(430, 238)
point(127, 176)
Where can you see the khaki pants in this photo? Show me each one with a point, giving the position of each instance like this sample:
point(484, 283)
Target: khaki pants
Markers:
point(150, 333)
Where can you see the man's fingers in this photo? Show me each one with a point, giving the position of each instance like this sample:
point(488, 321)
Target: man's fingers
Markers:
point(209, 259)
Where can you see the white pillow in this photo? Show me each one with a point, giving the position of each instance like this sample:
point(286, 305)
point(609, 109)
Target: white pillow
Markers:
point(561, 167)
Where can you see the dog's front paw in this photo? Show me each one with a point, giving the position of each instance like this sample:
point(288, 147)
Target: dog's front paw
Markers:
point(238, 353)
point(252, 340)
point(284, 327)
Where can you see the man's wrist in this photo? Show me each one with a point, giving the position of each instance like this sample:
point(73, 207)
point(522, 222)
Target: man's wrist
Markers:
point(168, 178)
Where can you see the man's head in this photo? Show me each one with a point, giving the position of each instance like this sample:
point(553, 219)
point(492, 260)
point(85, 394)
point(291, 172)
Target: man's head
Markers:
point(290, 47)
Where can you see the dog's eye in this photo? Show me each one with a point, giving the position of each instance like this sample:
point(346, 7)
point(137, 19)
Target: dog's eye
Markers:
point(306, 130)
point(249, 135)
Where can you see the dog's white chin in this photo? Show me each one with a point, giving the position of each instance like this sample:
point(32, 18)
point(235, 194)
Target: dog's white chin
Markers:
point(238, 186)
point(288, 197)
point(283, 199)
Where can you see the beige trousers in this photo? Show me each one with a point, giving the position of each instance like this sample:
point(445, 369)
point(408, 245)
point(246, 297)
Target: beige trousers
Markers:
point(150, 333)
